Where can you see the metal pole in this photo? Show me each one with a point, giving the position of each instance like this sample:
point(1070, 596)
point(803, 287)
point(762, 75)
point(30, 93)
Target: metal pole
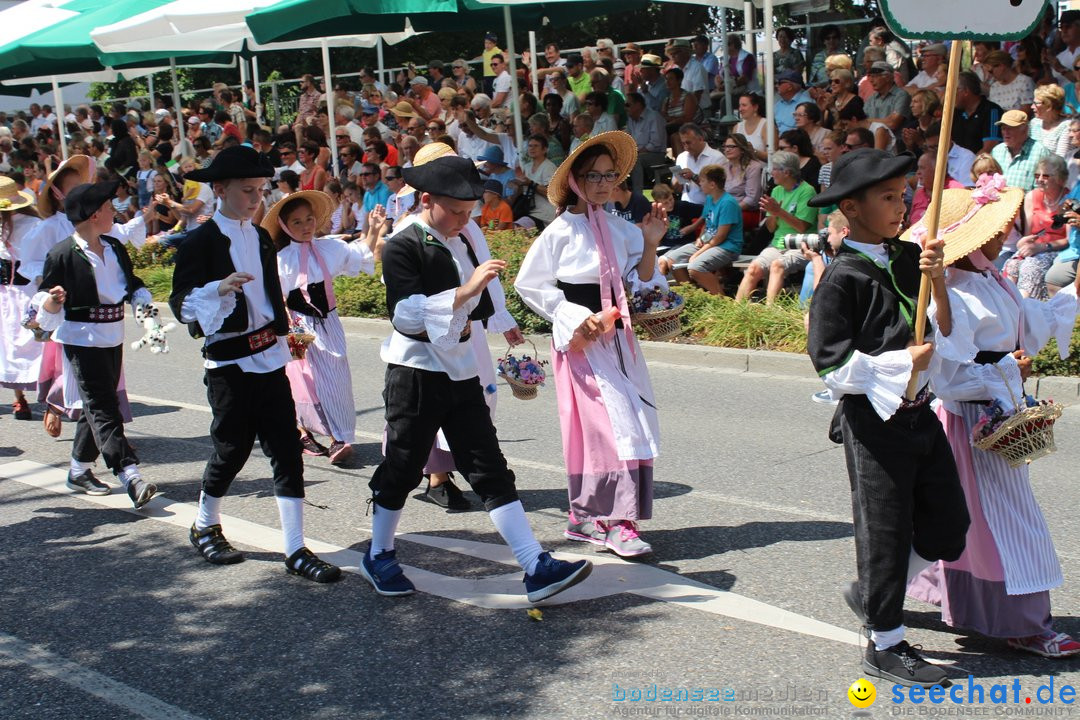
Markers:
point(274, 104)
point(770, 85)
point(379, 56)
point(150, 90)
point(181, 130)
point(59, 101)
point(514, 104)
point(243, 71)
point(255, 82)
point(329, 104)
point(532, 64)
point(727, 65)
point(748, 27)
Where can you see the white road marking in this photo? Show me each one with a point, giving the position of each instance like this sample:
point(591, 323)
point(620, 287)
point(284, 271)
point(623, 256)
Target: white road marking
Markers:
point(90, 681)
point(502, 592)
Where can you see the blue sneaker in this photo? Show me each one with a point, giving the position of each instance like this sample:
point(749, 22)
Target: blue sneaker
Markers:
point(384, 574)
point(553, 576)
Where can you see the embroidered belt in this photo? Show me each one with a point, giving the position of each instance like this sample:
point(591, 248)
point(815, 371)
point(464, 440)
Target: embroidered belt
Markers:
point(96, 314)
point(241, 346)
point(921, 399)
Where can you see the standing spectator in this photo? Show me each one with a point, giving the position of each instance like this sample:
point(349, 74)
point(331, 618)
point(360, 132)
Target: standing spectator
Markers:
point(830, 41)
point(123, 154)
point(889, 104)
point(788, 58)
point(654, 86)
point(1010, 90)
point(647, 128)
point(789, 95)
point(679, 108)
point(1049, 126)
point(697, 155)
point(1018, 155)
point(554, 64)
point(502, 83)
point(459, 70)
point(744, 178)
point(307, 105)
point(786, 211)
point(579, 81)
point(436, 74)
point(932, 75)
point(491, 49)
point(1036, 251)
point(702, 53)
point(975, 122)
point(753, 125)
point(695, 81)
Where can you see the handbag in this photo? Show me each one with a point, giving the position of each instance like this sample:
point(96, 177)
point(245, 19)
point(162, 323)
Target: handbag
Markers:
point(525, 202)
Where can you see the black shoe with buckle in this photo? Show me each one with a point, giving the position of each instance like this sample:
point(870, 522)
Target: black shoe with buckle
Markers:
point(311, 446)
point(903, 665)
point(140, 491)
point(448, 496)
point(307, 564)
point(212, 545)
point(88, 484)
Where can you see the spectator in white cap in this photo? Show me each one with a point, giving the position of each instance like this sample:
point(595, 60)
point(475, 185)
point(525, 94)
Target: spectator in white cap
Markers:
point(423, 99)
point(932, 75)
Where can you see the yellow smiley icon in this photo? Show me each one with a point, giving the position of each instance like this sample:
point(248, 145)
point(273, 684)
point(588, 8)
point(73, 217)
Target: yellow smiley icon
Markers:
point(862, 693)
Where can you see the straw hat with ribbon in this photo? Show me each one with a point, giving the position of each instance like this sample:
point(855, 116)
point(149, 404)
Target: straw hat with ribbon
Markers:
point(11, 197)
point(426, 154)
point(623, 151)
point(971, 218)
point(322, 205)
point(48, 200)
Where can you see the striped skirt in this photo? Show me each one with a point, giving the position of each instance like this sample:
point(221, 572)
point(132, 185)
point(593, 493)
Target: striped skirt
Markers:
point(322, 382)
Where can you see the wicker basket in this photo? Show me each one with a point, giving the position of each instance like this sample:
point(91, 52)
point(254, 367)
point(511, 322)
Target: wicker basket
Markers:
point(1025, 436)
point(522, 391)
point(662, 325)
point(298, 344)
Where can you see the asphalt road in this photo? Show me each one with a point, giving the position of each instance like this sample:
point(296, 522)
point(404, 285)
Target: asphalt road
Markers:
point(109, 613)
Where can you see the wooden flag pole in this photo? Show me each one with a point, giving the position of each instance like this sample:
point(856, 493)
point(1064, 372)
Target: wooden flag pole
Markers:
point(933, 214)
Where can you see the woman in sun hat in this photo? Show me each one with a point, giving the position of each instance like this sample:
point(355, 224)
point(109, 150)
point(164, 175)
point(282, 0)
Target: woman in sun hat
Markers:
point(321, 381)
point(1001, 584)
point(572, 275)
point(20, 356)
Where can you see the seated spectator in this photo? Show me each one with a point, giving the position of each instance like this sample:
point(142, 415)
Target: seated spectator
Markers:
point(925, 110)
point(341, 219)
point(834, 148)
point(808, 120)
point(558, 123)
point(889, 105)
point(837, 227)
point(647, 128)
point(596, 105)
point(681, 216)
point(854, 119)
point(744, 178)
point(582, 129)
point(629, 204)
point(1036, 251)
point(1018, 155)
point(540, 125)
point(1073, 160)
point(960, 158)
point(1049, 127)
point(753, 125)
point(786, 212)
point(924, 179)
point(679, 108)
point(313, 177)
point(798, 142)
point(495, 214)
point(532, 178)
point(720, 242)
point(932, 75)
point(375, 193)
point(742, 68)
point(840, 94)
point(615, 101)
point(830, 45)
point(790, 94)
point(689, 163)
point(494, 167)
point(288, 182)
point(1010, 89)
point(975, 121)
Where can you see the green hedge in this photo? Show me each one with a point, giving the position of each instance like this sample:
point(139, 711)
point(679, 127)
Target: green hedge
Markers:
point(707, 320)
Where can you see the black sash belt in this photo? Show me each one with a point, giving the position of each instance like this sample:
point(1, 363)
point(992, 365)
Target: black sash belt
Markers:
point(990, 357)
point(586, 294)
point(241, 346)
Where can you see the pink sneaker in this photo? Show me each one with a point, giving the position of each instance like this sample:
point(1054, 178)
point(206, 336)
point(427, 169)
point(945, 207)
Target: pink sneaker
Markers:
point(621, 537)
point(1049, 644)
point(583, 531)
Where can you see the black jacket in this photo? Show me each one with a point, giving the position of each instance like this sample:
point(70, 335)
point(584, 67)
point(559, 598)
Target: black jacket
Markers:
point(66, 265)
point(415, 263)
point(204, 257)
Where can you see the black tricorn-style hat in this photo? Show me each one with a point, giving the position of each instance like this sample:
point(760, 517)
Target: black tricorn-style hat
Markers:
point(234, 163)
point(449, 176)
point(860, 169)
point(86, 199)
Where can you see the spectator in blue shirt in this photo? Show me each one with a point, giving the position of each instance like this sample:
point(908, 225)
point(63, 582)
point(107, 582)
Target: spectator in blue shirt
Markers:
point(790, 93)
point(375, 192)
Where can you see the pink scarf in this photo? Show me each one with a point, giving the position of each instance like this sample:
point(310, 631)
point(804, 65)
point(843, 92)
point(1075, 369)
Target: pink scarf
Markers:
point(610, 274)
point(307, 249)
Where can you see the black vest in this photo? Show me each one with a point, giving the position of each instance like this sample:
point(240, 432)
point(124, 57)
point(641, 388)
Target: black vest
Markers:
point(415, 263)
point(66, 265)
point(204, 258)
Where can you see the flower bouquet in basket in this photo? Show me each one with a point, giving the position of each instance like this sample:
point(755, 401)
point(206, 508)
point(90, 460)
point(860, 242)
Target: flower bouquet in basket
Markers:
point(658, 312)
point(1019, 435)
point(524, 374)
point(298, 340)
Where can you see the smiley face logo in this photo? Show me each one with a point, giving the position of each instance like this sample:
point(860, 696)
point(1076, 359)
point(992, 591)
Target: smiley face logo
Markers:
point(862, 693)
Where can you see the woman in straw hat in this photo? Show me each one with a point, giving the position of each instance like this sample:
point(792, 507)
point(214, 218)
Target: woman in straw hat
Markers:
point(20, 356)
point(573, 275)
point(55, 227)
point(441, 489)
point(1001, 584)
point(321, 382)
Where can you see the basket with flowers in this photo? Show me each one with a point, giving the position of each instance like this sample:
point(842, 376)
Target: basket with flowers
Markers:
point(1019, 435)
point(657, 312)
point(524, 374)
point(298, 339)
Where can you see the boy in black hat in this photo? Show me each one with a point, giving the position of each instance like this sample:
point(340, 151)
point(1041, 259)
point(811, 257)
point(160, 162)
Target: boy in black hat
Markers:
point(434, 287)
point(226, 287)
point(85, 283)
point(907, 502)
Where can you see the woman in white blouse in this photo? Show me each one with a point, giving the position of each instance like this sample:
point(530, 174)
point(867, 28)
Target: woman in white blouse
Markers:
point(574, 275)
point(1049, 126)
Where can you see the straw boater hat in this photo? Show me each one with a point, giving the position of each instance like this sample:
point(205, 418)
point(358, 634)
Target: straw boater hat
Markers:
point(425, 155)
point(11, 197)
point(46, 200)
point(988, 221)
point(321, 204)
point(623, 150)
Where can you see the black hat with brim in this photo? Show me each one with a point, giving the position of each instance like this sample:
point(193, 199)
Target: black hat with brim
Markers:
point(85, 200)
point(234, 163)
point(449, 176)
point(861, 169)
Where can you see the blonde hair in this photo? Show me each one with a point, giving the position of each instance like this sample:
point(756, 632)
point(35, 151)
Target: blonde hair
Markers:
point(930, 101)
point(984, 164)
point(1053, 95)
point(837, 219)
point(838, 62)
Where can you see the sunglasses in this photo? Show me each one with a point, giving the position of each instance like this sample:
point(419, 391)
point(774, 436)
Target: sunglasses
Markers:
point(856, 146)
point(392, 177)
point(834, 81)
point(287, 152)
point(368, 174)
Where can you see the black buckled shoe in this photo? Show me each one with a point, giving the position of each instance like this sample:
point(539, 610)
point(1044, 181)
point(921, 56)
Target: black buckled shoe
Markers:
point(140, 491)
point(307, 564)
point(213, 546)
point(903, 665)
point(448, 495)
point(88, 484)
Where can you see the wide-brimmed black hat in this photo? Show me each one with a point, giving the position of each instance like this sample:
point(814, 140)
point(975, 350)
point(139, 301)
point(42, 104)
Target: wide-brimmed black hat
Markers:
point(86, 199)
point(234, 163)
point(449, 176)
point(860, 169)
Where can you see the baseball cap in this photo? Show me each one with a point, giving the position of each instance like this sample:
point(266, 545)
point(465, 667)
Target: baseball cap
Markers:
point(790, 76)
point(935, 49)
point(1013, 118)
point(419, 80)
point(880, 67)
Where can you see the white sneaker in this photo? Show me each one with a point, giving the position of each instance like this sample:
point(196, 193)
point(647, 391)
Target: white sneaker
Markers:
point(824, 398)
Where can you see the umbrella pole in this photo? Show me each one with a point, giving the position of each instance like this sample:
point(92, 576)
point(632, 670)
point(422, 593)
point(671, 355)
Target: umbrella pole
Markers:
point(514, 104)
point(933, 213)
point(59, 99)
point(255, 82)
point(532, 64)
point(770, 84)
point(330, 105)
point(727, 67)
point(243, 71)
point(379, 58)
point(150, 89)
point(181, 130)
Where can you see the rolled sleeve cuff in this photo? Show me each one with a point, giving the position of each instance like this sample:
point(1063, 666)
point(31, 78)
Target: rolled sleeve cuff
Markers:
point(47, 321)
point(566, 320)
point(434, 315)
point(208, 308)
point(882, 378)
point(141, 296)
point(502, 321)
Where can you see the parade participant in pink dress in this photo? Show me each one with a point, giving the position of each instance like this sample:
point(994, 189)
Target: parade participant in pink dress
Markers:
point(20, 356)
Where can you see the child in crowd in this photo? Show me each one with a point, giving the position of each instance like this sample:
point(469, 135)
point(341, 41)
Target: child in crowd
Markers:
point(495, 213)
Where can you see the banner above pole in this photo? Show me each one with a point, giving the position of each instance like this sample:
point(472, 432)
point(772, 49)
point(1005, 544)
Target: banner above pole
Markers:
point(963, 19)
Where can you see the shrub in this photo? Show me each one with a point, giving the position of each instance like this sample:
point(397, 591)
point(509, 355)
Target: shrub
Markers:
point(362, 296)
point(151, 255)
point(511, 246)
point(158, 281)
point(720, 321)
point(1048, 363)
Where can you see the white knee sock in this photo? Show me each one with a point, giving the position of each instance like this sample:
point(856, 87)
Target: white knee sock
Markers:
point(291, 510)
point(128, 474)
point(79, 468)
point(916, 564)
point(209, 511)
point(885, 639)
point(383, 526)
point(514, 527)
